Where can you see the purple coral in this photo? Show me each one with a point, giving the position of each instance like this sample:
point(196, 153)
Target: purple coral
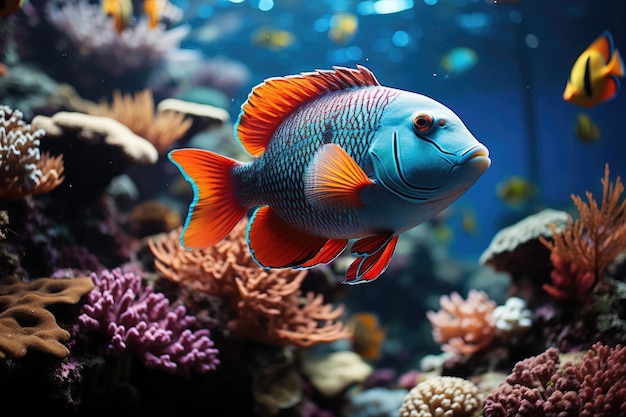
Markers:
point(140, 320)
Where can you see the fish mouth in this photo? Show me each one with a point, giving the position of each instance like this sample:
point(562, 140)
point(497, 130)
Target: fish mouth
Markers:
point(477, 156)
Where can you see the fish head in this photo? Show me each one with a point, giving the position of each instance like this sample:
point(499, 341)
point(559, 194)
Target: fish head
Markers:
point(424, 153)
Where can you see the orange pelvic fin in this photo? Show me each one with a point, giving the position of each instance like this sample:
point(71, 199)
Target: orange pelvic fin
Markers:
point(214, 210)
point(373, 256)
point(275, 244)
point(273, 100)
point(334, 179)
point(329, 252)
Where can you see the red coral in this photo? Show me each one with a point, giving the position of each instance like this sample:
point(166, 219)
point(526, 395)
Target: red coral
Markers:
point(569, 281)
point(594, 387)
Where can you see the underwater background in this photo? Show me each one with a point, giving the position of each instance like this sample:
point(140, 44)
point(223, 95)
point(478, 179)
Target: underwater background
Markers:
point(497, 303)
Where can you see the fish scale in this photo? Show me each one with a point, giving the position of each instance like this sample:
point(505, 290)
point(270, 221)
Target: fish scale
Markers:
point(276, 178)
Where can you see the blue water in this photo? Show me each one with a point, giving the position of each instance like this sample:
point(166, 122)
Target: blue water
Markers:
point(510, 99)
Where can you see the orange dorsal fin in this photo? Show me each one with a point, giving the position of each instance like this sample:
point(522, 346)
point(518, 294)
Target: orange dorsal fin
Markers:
point(370, 265)
point(214, 210)
point(334, 179)
point(275, 244)
point(328, 253)
point(616, 65)
point(270, 102)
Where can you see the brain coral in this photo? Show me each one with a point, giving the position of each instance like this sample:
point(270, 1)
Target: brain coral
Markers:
point(442, 396)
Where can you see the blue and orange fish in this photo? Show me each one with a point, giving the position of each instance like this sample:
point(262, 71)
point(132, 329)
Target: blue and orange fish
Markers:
point(339, 157)
point(594, 78)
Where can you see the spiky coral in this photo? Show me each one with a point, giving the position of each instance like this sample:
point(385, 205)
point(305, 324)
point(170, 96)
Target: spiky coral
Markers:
point(593, 240)
point(25, 170)
point(266, 306)
point(137, 112)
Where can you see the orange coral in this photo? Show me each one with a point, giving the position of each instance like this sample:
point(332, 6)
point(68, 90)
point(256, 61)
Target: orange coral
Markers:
point(593, 240)
point(267, 304)
point(464, 326)
point(137, 112)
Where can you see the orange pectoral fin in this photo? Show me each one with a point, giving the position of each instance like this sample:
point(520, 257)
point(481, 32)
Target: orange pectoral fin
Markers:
point(214, 210)
point(368, 267)
point(275, 244)
point(334, 179)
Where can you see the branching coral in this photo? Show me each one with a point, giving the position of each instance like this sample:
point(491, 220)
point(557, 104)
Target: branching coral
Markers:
point(25, 321)
point(137, 319)
point(24, 169)
point(540, 386)
point(138, 113)
point(464, 326)
point(442, 396)
point(593, 240)
point(267, 305)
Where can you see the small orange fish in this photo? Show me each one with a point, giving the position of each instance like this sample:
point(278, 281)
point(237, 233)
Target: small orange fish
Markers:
point(594, 76)
point(367, 335)
point(153, 9)
point(8, 7)
point(120, 10)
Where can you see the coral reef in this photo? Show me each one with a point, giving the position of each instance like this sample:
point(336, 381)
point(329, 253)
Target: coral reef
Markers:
point(542, 386)
point(25, 169)
point(334, 373)
point(136, 318)
point(464, 326)
point(442, 396)
point(266, 306)
point(137, 112)
point(26, 322)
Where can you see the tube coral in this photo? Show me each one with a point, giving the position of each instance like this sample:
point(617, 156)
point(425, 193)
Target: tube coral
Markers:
point(137, 319)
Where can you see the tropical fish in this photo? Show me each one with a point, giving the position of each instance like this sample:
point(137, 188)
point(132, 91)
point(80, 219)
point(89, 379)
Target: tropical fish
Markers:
point(594, 76)
point(153, 9)
point(343, 27)
point(459, 60)
point(515, 191)
point(367, 335)
point(8, 7)
point(121, 11)
point(272, 38)
point(338, 157)
point(586, 129)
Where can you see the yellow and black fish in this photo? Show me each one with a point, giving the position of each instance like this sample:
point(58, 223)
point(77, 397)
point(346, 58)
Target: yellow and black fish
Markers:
point(594, 78)
point(586, 129)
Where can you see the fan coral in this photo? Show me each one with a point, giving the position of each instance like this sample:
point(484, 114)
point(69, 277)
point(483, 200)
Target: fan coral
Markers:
point(138, 113)
point(540, 386)
point(598, 235)
point(25, 170)
point(137, 319)
point(442, 396)
point(464, 326)
point(267, 305)
point(25, 321)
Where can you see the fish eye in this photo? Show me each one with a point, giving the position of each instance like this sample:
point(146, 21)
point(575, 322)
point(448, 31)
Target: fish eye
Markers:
point(423, 122)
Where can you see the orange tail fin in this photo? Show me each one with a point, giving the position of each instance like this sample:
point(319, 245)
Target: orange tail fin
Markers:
point(214, 210)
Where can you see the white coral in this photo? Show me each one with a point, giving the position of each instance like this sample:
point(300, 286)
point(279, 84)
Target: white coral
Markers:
point(512, 319)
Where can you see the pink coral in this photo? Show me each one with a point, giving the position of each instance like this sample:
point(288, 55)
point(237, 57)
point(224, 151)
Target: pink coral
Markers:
point(464, 326)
